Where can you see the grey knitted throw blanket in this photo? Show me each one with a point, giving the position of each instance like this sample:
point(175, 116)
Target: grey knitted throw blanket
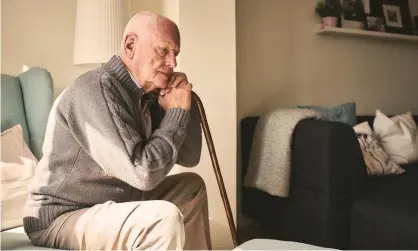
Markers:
point(270, 157)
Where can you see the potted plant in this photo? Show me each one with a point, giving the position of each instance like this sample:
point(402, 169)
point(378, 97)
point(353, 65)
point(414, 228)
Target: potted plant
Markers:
point(329, 11)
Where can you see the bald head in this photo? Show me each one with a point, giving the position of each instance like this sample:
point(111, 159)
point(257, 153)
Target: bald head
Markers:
point(150, 45)
point(145, 24)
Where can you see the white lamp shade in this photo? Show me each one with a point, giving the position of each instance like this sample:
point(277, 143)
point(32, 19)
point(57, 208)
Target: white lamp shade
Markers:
point(99, 27)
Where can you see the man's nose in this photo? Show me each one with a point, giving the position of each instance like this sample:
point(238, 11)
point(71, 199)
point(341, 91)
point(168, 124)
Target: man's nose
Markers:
point(171, 61)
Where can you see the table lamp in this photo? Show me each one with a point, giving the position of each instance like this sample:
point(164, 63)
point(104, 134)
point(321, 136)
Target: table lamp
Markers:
point(99, 27)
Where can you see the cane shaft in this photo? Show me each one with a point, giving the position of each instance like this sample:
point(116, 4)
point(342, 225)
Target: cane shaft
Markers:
point(217, 170)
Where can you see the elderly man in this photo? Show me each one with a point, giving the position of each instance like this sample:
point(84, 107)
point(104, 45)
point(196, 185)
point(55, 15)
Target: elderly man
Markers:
point(111, 139)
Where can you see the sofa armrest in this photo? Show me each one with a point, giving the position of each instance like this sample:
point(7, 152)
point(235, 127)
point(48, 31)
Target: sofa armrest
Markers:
point(328, 175)
point(326, 158)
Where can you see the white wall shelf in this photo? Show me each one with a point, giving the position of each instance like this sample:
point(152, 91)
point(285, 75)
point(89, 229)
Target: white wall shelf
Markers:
point(367, 34)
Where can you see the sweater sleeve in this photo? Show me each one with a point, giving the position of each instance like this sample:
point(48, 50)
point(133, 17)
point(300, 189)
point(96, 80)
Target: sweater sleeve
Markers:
point(190, 151)
point(103, 124)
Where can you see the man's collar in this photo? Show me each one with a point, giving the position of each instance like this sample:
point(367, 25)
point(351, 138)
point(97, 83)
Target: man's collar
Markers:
point(133, 79)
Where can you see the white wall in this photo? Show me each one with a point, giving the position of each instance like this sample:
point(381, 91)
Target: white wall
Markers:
point(282, 63)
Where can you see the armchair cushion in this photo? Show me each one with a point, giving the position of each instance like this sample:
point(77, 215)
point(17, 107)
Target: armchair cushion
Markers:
point(17, 169)
point(38, 95)
point(27, 99)
point(12, 105)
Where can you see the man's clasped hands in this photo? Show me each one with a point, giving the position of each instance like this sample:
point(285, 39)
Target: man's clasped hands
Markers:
point(177, 94)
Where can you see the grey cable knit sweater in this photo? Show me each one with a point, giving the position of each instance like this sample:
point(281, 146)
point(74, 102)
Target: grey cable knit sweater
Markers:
point(103, 143)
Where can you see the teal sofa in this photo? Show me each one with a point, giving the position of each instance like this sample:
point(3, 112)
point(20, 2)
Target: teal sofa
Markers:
point(26, 99)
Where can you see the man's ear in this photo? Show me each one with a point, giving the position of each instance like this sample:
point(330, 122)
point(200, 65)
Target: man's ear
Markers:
point(130, 42)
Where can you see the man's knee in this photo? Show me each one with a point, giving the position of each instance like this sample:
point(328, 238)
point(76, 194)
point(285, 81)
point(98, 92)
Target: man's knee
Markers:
point(170, 218)
point(194, 180)
point(165, 228)
point(195, 187)
point(167, 211)
point(158, 212)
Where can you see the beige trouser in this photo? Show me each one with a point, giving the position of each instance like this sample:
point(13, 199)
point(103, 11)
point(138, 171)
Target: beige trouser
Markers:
point(174, 216)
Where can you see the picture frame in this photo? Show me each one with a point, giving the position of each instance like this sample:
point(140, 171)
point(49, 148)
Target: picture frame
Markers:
point(395, 13)
point(393, 16)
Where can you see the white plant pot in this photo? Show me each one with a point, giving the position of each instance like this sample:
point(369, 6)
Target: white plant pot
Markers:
point(350, 24)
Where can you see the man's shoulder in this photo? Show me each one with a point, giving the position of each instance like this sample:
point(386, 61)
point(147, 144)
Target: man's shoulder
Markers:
point(97, 86)
point(90, 79)
point(92, 83)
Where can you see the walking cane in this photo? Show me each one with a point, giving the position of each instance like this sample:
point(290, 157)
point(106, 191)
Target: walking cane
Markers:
point(216, 168)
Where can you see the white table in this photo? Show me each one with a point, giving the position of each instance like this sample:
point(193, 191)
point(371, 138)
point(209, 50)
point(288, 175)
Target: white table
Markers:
point(267, 244)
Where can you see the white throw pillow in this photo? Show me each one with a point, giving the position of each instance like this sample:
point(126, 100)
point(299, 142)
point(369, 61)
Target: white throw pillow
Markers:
point(398, 136)
point(17, 169)
point(377, 160)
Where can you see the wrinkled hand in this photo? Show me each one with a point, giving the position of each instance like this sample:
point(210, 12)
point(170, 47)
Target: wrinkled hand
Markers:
point(178, 97)
point(175, 79)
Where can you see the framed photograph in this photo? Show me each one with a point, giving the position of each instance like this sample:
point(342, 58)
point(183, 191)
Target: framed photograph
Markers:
point(393, 16)
point(395, 13)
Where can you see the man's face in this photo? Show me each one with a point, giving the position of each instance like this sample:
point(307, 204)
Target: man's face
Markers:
point(155, 57)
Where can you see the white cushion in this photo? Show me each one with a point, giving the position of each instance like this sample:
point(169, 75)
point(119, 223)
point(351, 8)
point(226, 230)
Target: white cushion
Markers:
point(377, 160)
point(268, 244)
point(398, 136)
point(17, 169)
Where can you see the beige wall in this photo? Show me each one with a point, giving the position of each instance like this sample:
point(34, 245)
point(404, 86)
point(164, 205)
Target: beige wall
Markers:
point(42, 35)
point(208, 56)
point(413, 6)
point(282, 63)
point(39, 33)
point(169, 8)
